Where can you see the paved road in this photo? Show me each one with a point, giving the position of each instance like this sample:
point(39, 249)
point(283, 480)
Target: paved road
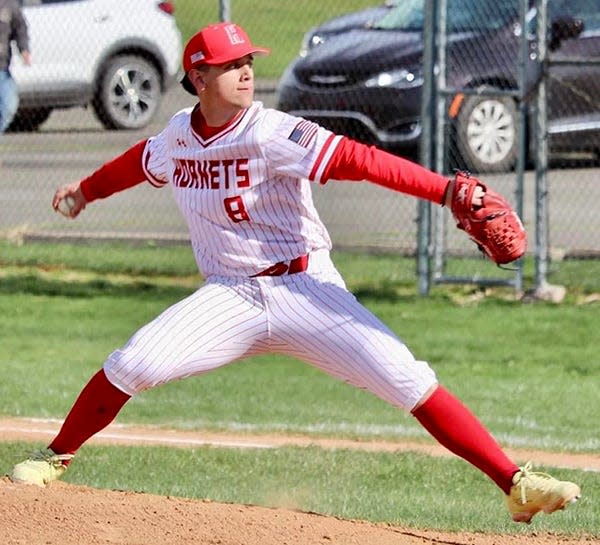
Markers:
point(73, 143)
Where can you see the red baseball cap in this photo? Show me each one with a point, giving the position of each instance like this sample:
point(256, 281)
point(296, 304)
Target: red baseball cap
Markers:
point(217, 44)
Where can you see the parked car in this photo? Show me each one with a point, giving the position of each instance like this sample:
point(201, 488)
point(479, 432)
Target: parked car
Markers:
point(366, 80)
point(320, 34)
point(117, 57)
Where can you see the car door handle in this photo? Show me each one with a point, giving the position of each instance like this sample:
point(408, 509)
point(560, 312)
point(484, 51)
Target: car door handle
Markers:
point(101, 18)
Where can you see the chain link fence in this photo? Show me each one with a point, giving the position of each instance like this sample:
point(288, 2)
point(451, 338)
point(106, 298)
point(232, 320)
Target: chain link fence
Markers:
point(356, 67)
point(511, 97)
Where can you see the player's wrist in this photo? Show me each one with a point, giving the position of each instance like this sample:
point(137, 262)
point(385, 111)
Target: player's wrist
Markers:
point(447, 198)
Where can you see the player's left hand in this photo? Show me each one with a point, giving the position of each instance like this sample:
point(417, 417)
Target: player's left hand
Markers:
point(487, 218)
point(74, 192)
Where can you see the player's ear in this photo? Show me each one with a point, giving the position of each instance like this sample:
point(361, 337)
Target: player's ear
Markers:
point(197, 79)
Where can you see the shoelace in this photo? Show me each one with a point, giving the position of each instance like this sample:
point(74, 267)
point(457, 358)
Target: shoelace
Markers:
point(525, 474)
point(51, 457)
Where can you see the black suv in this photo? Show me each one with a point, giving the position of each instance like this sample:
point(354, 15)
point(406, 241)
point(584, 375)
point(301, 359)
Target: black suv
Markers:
point(361, 75)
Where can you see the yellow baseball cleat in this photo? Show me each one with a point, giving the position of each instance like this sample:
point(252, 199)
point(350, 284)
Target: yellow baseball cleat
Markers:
point(41, 468)
point(533, 492)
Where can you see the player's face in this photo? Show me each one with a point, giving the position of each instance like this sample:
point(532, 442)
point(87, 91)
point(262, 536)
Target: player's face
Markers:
point(228, 87)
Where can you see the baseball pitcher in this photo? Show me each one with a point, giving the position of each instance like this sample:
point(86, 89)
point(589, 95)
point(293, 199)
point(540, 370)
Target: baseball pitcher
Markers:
point(241, 175)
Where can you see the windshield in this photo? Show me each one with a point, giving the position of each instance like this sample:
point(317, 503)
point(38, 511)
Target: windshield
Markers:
point(462, 15)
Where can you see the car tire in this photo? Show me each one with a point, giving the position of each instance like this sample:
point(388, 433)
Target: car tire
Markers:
point(128, 93)
point(487, 134)
point(29, 119)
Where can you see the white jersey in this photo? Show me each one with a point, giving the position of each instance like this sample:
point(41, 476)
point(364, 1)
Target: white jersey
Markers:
point(245, 192)
point(247, 199)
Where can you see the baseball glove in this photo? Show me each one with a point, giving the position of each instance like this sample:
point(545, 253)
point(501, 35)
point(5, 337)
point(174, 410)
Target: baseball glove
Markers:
point(494, 226)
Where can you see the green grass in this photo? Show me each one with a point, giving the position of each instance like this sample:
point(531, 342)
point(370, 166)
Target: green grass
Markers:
point(401, 488)
point(382, 276)
point(530, 394)
point(144, 259)
point(529, 371)
point(276, 24)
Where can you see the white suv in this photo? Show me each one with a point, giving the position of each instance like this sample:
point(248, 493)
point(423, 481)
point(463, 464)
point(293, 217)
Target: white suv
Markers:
point(119, 56)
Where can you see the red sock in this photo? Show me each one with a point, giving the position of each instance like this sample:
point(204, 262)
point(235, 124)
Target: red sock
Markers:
point(95, 408)
point(455, 427)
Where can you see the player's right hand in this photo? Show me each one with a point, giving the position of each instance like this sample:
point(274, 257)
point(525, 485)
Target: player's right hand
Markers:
point(71, 190)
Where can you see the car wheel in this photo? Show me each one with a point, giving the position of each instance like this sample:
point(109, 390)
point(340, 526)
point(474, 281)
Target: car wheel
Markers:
point(128, 93)
point(487, 134)
point(29, 119)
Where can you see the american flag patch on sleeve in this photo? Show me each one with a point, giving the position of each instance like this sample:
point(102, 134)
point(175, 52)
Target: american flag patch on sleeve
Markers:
point(303, 133)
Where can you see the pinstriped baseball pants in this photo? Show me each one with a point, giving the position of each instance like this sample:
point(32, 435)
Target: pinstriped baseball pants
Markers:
point(310, 316)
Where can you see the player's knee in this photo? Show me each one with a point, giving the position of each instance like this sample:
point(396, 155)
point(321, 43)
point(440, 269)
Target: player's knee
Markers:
point(129, 373)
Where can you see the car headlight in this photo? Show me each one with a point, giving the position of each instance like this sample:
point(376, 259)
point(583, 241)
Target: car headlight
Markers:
point(309, 41)
point(403, 78)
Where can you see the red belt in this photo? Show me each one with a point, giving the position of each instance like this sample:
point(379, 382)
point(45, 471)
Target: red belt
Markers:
point(296, 265)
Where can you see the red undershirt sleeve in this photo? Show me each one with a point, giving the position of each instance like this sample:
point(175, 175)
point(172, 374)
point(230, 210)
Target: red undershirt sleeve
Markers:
point(121, 173)
point(354, 161)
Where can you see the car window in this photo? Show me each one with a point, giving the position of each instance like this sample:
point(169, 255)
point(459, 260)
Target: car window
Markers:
point(407, 15)
point(462, 15)
point(586, 10)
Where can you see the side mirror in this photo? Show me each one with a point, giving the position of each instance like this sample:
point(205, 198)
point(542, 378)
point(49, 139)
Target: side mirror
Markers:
point(564, 28)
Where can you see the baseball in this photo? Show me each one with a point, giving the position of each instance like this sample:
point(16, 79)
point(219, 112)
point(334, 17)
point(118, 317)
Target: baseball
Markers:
point(66, 205)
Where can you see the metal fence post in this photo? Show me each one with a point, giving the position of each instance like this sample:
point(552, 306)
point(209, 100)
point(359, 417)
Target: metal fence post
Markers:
point(225, 10)
point(523, 141)
point(440, 143)
point(541, 151)
point(427, 147)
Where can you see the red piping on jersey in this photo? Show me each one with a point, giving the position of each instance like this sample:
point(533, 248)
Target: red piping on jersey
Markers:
point(151, 178)
point(204, 133)
point(317, 164)
point(121, 173)
point(354, 161)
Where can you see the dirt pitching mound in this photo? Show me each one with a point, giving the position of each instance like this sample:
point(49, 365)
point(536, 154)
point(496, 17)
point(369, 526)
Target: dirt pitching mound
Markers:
point(75, 515)
point(64, 514)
